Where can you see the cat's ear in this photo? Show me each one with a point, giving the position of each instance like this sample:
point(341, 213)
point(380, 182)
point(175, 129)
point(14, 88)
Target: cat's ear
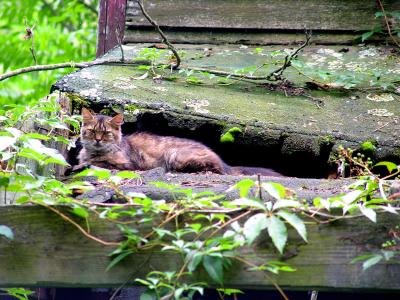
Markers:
point(118, 120)
point(87, 116)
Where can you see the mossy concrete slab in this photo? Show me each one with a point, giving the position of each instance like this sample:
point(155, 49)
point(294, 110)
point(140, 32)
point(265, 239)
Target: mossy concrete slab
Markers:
point(305, 189)
point(277, 121)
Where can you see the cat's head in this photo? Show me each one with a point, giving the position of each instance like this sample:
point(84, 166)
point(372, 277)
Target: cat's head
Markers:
point(99, 132)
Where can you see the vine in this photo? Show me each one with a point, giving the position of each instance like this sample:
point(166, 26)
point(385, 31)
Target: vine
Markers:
point(204, 229)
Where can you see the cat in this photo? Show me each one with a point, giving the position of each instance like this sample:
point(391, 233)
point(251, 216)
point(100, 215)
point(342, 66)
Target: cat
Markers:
point(103, 145)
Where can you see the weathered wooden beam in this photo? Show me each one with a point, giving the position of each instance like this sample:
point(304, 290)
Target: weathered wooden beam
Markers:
point(47, 251)
point(340, 15)
point(111, 25)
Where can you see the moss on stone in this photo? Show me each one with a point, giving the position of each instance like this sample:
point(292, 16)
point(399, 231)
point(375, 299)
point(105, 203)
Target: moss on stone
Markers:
point(368, 147)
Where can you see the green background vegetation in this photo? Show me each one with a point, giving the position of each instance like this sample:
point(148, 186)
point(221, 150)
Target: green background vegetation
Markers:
point(65, 30)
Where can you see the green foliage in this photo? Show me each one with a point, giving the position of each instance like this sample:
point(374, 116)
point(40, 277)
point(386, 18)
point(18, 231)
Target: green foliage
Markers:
point(380, 29)
point(7, 232)
point(214, 229)
point(19, 293)
point(63, 31)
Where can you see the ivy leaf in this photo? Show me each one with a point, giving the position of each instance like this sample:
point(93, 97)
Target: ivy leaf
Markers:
point(352, 196)
point(36, 136)
point(194, 261)
point(389, 165)
point(100, 174)
point(214, 268)
point(243, 186)
point(286, 203)
point(118, 258)
point(276, 190)
point(295, 221)
point(148, 295)
point(371, 261)
point(390, 209)
point(368, 212)
point(248, 202)
point(367, 35)
point(253, 227)
point(7, 232)
point(6, 141)
point(278, 232)
point(80, 212)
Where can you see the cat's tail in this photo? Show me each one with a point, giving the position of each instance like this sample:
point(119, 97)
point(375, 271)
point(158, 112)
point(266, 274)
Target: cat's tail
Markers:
point(239, 170)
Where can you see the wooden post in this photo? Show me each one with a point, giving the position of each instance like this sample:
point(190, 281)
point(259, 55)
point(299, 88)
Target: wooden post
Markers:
point(111, 22)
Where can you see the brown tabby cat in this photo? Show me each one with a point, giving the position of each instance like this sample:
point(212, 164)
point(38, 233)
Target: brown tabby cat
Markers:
point(104, 146)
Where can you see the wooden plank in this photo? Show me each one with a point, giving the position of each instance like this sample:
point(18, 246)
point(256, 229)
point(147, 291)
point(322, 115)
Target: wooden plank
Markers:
point(111, 23)
point(47, 252)
point(337, 15)
point(143, 35)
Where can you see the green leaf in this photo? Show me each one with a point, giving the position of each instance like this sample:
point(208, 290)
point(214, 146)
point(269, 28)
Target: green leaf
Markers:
point(194, 261)
point(37, 136)
point(243, 186)
point(100, 174)
point(368, 212)
point(389, 165)
point(253, 227)
point(230, 292)
point(278, 232)
point(248, 202)
point(80, 212)
point(118, 258)
point(148, 295)
point(352, 196)
point(372, 261)
point(6, 141)
point(286, 203)
point(7, 232)
point(276, 190)
point(367, 35)
point(295, 221)
point(214, 268)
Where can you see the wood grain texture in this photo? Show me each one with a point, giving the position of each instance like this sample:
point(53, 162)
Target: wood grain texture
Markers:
point(111, 22)
point(337, 15)
point(49, 252)
point(142, 35)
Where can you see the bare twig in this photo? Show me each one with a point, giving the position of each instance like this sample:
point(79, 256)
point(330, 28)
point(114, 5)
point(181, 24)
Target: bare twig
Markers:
point(273, 76)
point(30, 35)
point(118, 35)
point(250, 264)
point(70, 65)
point(277, 74)
point(88, 6)
point(164, 38)
point(387, 23)
point(85, 233)
point(138, 269)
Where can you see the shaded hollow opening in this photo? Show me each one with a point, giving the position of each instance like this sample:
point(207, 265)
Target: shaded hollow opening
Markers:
point(246, 150)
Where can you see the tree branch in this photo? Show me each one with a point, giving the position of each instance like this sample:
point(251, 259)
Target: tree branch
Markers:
point(387, 23)
point(88, 6)
point(164, 38)
point(71, 65)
